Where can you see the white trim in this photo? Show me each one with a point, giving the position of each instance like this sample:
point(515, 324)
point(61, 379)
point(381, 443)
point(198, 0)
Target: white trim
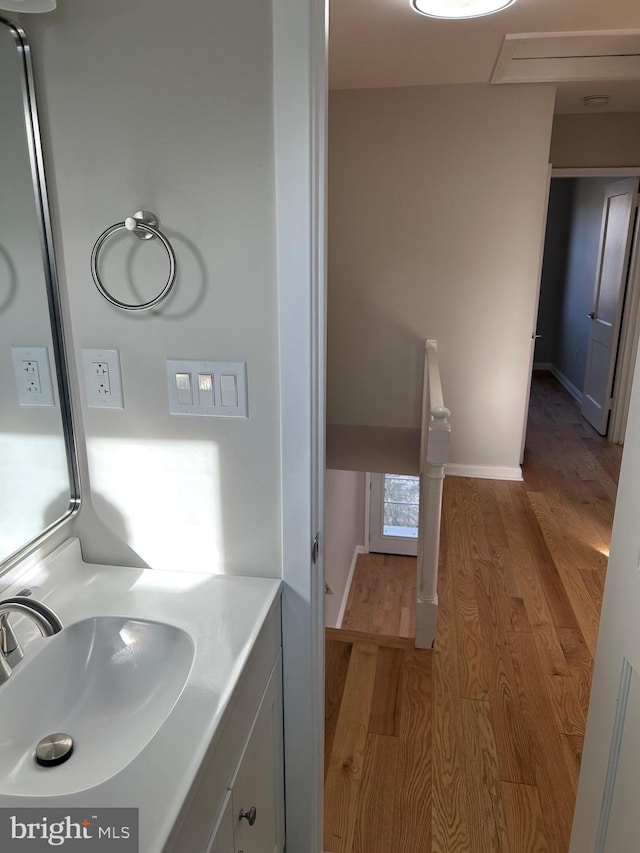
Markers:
point(300, 97)
point(367, 511)
point(596, 172)
point(536, 308)
point(484, 472)
point(628, 347)
point(575, 392)
point(622, 705)
point(359, 549)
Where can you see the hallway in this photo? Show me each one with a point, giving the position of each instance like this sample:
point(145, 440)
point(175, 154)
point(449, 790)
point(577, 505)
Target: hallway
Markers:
point(522, 574)
point(521, 577)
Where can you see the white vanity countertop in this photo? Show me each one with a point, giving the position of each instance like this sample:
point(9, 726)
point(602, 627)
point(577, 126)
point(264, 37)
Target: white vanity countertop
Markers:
point(222, 614)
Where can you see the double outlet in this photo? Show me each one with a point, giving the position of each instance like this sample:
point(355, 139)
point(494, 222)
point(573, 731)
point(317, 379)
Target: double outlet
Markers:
point(208, 388)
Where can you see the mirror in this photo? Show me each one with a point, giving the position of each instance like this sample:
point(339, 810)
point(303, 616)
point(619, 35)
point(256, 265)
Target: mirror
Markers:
point(38, 471)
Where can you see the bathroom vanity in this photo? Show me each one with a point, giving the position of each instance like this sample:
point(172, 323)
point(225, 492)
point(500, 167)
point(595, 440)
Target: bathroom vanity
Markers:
point(170, 685)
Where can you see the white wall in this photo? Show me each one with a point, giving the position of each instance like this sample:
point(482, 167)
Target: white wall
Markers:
point(436, 214)
point(150, 106)
point(596, 140)
point(343, 533)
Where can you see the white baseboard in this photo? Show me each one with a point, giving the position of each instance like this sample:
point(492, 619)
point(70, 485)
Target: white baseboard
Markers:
point(484, 472)
point(568, 384)
point(359, 549)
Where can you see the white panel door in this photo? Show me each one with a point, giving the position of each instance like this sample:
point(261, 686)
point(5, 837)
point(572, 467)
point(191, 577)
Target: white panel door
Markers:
point(607, 817)
point(618, 215)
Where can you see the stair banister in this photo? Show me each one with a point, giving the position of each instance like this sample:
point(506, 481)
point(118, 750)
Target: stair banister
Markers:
point(434, 455)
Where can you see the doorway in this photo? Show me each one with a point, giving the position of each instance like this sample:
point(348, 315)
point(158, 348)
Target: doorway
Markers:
point(587, 329)
point(394, 514)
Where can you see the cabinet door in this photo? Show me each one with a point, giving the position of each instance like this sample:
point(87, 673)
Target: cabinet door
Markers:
point(259, 781)
point(222, 840)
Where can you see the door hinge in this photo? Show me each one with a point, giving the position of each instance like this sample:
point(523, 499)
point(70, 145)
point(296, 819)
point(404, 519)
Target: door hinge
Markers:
point(315, 549)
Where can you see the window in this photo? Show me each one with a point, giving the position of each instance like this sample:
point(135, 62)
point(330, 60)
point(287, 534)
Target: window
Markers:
point(394, 513)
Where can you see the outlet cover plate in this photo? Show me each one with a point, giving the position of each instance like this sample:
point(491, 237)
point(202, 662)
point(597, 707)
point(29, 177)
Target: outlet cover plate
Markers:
point(34, 388)
point(105, 392)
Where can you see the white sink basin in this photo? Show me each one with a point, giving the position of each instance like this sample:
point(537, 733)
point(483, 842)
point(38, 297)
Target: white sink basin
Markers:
point(109, 682)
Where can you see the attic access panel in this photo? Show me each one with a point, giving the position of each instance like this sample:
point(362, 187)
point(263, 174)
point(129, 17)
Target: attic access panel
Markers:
point(567, 57)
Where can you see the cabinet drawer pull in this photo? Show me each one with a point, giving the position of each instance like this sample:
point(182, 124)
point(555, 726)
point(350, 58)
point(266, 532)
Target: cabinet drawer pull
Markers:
point(250, 815)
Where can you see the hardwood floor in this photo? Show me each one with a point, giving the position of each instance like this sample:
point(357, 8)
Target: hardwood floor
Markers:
point(377, 744)
point(521, 577)
point(382, 598)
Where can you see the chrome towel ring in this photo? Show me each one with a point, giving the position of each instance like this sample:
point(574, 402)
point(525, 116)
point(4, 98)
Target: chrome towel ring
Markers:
point(143, 225)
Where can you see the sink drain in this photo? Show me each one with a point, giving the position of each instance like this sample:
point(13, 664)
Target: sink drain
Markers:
point(54, 749)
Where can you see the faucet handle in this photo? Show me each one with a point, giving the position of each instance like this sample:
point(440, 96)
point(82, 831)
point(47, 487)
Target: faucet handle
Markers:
point(8, 641)
point(43, 616)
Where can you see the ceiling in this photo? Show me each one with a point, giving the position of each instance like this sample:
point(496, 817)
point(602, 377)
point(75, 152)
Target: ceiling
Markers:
point(380, 43)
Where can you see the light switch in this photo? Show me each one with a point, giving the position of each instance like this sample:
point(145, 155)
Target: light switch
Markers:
point(183, 389)
point(206, 396)
point(228, 390)
point(33, 376)
point(102, 378)
point(215, 388)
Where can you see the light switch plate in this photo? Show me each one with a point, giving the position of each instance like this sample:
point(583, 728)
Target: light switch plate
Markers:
point(102, 378)
point(33, 375)
point(218, 388)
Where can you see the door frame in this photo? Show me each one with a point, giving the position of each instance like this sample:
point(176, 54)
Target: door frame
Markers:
point(630, 321)
point(300, 142)
point(628, 345)
point(536, 308)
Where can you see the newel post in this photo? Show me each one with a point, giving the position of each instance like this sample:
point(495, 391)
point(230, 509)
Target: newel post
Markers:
point(434, 454)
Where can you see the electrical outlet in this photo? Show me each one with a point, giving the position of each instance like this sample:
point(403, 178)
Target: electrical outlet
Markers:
point(102, 378)
point(33, 376)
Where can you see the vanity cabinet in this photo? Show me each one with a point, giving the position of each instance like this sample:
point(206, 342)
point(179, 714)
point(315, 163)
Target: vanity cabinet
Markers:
point(256, 790)
point(222, 841)
point(243, 770)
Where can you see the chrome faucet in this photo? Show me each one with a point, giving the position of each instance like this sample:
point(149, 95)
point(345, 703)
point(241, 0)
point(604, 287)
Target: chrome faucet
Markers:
point(10, 650)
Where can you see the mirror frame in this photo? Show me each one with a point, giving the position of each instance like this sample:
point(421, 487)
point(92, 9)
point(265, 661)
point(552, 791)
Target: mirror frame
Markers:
point(32, 134)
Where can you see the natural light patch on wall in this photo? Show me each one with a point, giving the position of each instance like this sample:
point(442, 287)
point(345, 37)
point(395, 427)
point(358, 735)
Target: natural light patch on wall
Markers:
point(34, 487)
point(162, 498)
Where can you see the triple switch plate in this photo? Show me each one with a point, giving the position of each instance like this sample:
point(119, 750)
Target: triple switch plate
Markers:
point(209, 388)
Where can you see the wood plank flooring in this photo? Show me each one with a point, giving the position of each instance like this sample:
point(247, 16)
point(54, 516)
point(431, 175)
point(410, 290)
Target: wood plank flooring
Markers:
point(377, 744)
point(382, 597)
point(495, 716)
point(521, 578)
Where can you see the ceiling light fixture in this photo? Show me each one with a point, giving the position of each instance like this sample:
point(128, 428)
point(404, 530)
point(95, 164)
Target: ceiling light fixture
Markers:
point(459, 8)
point(28, 5)
point(593, 101)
